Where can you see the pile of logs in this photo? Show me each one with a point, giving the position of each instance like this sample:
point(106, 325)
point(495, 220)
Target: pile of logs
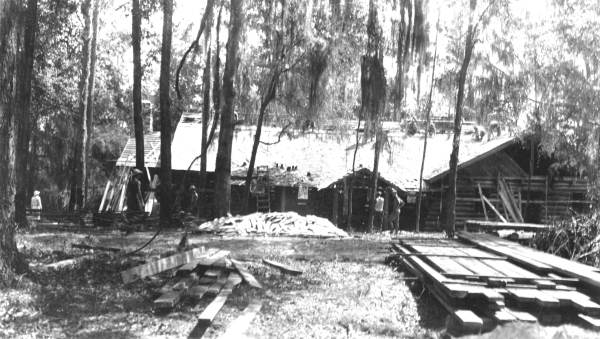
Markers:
point(274, 223)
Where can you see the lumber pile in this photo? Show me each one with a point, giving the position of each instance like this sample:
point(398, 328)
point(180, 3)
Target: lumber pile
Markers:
point(482, 281)
point(274, 223)
point(193, 275)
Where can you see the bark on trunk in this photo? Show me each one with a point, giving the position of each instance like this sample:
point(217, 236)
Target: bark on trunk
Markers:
point(452, 176)
point(223, 162)
point(80, 157)
point(90, 96)
point(10, 260)
point(165, 116)
point(22, 114)
point(138, 120)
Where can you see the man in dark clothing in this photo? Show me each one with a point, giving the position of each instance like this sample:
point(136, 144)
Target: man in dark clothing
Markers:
point(397, 204)
point(135, 201)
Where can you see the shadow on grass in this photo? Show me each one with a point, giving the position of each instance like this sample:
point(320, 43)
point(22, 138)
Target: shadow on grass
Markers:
point(432, 315)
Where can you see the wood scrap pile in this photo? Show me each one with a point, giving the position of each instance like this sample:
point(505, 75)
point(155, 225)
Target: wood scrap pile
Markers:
point(483, 280)
point(274, 223)
point(198, 273)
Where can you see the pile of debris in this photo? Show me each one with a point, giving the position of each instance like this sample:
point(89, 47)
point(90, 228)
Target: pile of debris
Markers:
point(274, 223)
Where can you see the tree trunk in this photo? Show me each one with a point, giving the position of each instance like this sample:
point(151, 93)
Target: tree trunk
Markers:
point(400, 63)
point(205, 107)
point(374, 178)
point(22, 114)
point(427, 122)
point(223, 162)
point(267, 98)
point(462, 74)
point(10, 260)
point(138, 120)
point(80, 144)
point(373, 96)
point(90, 96)
point(165, 116)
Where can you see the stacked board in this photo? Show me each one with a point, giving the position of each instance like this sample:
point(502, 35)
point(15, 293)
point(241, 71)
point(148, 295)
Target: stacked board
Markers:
point(480, 288)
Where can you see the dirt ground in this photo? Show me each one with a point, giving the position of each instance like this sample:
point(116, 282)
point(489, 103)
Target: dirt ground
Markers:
point(345, 291)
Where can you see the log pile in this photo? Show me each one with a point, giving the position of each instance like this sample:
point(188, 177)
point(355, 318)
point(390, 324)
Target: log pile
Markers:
point(274, 223)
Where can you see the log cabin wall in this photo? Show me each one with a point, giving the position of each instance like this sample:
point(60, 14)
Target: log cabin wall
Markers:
point(547, 202)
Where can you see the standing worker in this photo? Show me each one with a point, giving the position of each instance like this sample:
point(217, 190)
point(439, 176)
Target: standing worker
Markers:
point(379, 201)
point(397, 203)
point(36, 205)
point(135, 201)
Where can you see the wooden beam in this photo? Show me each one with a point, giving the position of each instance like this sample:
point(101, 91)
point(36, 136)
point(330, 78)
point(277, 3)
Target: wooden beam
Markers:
point(249, 278)
point(284, 268)
point(493, 208)
point(157, 266)
point(494, 225)
point(238, 327)
point(482, 202)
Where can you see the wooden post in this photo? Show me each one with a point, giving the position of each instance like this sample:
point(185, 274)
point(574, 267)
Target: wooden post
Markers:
point(334, 214)
point(482, 202)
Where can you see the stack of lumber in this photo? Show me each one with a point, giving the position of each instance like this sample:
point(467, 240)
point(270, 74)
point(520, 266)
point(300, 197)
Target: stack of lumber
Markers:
point(197, 273)
point(274, 223)
point(483, 281)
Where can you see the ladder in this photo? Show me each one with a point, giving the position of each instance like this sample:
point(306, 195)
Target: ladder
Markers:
point(263, 197)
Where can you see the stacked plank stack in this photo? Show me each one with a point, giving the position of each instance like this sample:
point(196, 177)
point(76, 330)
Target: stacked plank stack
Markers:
point(274, 223)
point(196, 273)
point(482, 281)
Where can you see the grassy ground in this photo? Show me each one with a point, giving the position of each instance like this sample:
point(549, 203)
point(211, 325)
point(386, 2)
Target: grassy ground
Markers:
point(346, 291)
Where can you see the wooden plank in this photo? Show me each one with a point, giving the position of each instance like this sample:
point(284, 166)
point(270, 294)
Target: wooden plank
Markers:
point(482, 202)
point(511, 270)
point(503, 315)
point(506, 202)
point(494, 225)
point(104, 196)
point(528, 257)
point(591, 321)
point(498, 214)
point(212, 256)
point(480, 268)
point(423, 255)
point(220, 282)
point(468, 320)
point(213, 272)
point(494, 245)
point(522, 316)
point(64, 263)
point(197, 291)
point(160, 265)
point(99, 248)
point(238, 327)
point(284, 268)
point(450, 266)
point(168, 299)
point(249, 278)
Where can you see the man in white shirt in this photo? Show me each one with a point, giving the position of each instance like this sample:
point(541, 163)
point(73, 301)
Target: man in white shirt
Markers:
point(379, 202)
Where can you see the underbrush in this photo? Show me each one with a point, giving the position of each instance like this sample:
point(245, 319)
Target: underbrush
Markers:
point(577, 238)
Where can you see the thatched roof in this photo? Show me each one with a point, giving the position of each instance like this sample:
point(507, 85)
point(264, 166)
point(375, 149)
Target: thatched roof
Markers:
point(327, 155)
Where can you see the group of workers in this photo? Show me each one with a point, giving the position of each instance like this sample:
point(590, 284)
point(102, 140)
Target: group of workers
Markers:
point(396, 209)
